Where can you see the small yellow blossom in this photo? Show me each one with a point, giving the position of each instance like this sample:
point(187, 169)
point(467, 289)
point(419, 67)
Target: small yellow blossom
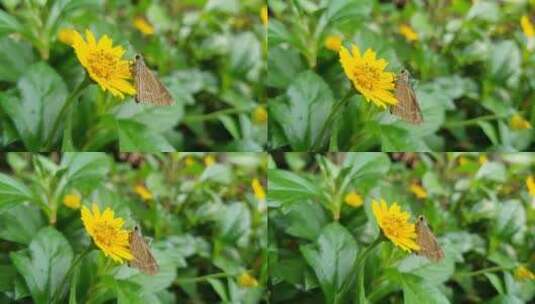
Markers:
point(260, 115)
point(530, 183)
point(527, 27)
point(246, 280)
point(143, 26)
point(407, 32)
point(418, 190)
point(72, 200)
point(190, 161)
point(209, 160)
point(522, 273)
point(143, 192)
point(518, 122)
point(66, 36)
point(258, 189)
point(463, 161)
point(103, 62)
point(264, 16)
point(353, 199)
point(483, 159)
point(367, 74)
point(333, 42)
point(395, 225)
point(107, 232)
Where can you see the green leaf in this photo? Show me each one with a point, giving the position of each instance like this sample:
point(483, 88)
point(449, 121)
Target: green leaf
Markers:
point(511, 218)
point(44, 265)
point(495, 281)
point(15, 58)
point(43, 94)
point(9, 24)
point(333, 259)
point(12, 192)
point(136, 137)
point(304, 112)
point(506, 299)
point(416, 290)
point(505, 60)
point(233, 222)
point(285, 186)
point(20, 223)
point(284, 65)
point(85, 168)
point(305, 219)
point(493, 171)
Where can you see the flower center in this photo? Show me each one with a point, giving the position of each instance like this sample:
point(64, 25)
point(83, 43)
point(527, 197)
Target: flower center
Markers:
point(392, 225)
point(105, 234)
point(366, 76)
point(102, 64)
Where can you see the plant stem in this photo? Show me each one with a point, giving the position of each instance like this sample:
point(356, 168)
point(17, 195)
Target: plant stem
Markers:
point(204, 278)
point(329, 121)
point(473, 121)
point(482, 271)
point(360, 298)
point(214, 115)
point(73, 97)
point(71, 269)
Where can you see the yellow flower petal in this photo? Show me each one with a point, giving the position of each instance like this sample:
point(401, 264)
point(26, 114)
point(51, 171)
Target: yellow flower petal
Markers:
point(72, 200)
point(209, 160)
point(142, 25)
point(264, 16)
point(527, 27)
point(407, 32)
point(260, 115)
point(395, 225)
point(333, 42)
point(353, 199)
point(103, 62)
point(258, 189)
point(143, 192)
point(246, 280)
point(418, 190)
point(522, 273)
point(368, 76)
point(530, 183)
point(518, 122)
point(107, 233)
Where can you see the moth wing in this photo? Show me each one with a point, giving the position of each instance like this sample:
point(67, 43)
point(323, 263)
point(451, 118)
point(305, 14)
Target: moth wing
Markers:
point(429, 246)
point(407, 107)
point(143, 258)
point(149, 88)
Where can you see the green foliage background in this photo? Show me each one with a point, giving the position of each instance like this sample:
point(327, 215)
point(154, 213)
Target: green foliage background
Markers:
point(209, 54)
point(472, 68)
point(319, 247)
point(205, 224)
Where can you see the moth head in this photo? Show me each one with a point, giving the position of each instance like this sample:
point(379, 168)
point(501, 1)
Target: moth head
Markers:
point(137, 229)
point(404, 72)
point(138, 57)
point(421, 220)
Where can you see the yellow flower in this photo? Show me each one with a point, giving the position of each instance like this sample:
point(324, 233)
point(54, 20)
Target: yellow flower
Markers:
point(258, 189)
point(395, 225)
point(264, 15)
point(418, 190)
point(106, 231)
point(483, 159)
point(463, 161)
point(368, 75)
point(72, 200)
point(66, 36)
point(104, 63)
point(189, 161)
point(530, 183)
point(247, 280)
point(260, 115)
point(407, 32)
point(518, 122)
point(143, 26)
point(143, 192)
point(353, 199)
point(333, 42)
point(209, 160)
point(527, 27)
point(522, 273)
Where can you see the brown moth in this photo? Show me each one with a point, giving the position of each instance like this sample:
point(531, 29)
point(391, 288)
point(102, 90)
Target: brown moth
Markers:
point(429, 246)
point(407, 107)
point(143, 259)
point(148, 88)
